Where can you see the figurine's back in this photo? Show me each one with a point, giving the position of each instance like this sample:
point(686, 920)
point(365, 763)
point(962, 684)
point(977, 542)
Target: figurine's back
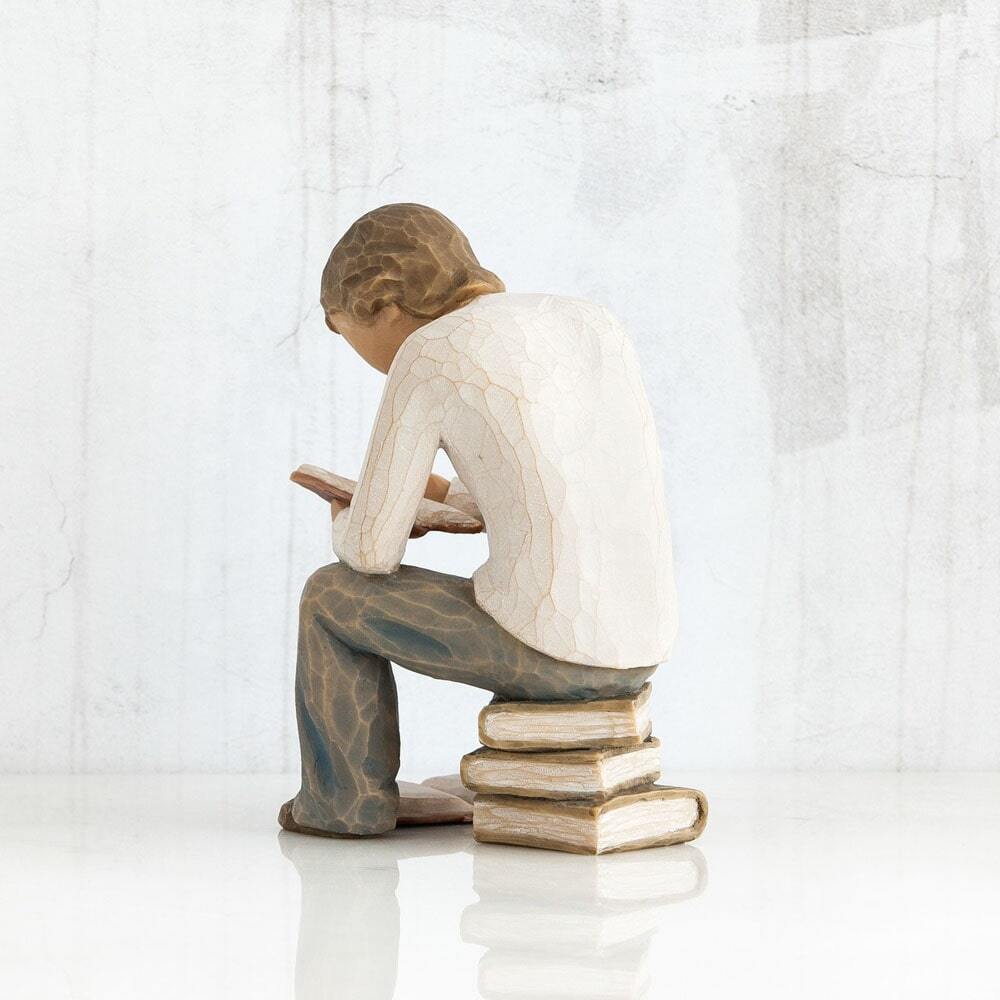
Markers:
point(548, 426)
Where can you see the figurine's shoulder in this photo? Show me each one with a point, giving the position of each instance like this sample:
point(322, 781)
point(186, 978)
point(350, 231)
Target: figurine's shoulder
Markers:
point(532, 305)
point(519, 311)
point(509, 336)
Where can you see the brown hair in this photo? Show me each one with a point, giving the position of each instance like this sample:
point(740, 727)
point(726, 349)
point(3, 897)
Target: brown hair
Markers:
point(407, 255)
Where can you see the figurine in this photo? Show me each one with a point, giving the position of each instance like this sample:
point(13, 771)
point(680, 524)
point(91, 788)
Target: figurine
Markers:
point(539, 404)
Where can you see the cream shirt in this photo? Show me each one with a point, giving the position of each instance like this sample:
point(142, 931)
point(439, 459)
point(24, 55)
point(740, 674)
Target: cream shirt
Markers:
point(539, 404)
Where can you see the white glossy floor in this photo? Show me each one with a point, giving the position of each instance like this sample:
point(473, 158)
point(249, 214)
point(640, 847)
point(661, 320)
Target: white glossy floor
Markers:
point(803, 886)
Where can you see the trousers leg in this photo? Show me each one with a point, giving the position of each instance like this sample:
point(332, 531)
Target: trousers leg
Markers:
point(430, 623)
point(348, 722)
point(351, 626)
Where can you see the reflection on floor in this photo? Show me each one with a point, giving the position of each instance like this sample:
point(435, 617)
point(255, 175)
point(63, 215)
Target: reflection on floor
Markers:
point(349, 924)
point(822, 886)
point(558, 925)
point(554, 925)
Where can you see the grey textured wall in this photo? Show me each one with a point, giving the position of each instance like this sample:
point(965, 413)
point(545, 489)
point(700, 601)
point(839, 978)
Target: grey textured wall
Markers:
point(793, 205)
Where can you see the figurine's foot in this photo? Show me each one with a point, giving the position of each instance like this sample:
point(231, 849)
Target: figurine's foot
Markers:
point(287, 822)
point(419, 805)
point(424, 805)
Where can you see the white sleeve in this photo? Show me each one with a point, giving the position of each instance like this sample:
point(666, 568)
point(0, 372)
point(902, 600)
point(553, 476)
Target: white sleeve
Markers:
point(370, 535)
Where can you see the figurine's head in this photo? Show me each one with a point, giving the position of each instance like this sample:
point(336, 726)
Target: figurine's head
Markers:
point(397, 268)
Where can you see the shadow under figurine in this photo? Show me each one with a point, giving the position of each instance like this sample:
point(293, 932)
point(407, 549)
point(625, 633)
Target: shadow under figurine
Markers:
point(539, 404)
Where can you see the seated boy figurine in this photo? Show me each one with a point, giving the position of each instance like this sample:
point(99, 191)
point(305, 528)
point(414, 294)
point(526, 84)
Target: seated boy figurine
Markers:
point(538, 402)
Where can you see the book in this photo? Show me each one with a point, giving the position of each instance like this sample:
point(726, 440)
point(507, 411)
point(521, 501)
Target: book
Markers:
point(566, 725)
point(654, 816)
point(431, 515)
point(562, 774)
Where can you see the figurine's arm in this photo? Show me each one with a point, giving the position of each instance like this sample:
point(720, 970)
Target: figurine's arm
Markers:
point(370, 535)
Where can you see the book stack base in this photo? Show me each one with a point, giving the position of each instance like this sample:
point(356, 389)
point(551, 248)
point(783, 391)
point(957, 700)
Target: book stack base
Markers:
point(579, 777)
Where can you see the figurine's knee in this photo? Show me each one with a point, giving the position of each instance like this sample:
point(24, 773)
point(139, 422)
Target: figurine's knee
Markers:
point(324, 584)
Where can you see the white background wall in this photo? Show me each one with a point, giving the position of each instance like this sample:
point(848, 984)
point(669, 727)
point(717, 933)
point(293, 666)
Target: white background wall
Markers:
point(792, 204)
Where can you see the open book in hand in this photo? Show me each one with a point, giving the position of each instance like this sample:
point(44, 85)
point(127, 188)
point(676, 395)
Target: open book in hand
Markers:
point(431, 515)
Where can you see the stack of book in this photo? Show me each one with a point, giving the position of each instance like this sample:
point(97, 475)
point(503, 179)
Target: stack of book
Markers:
point(576, 776)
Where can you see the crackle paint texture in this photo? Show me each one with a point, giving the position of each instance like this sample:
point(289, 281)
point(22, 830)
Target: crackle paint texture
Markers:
point(538, 402)
point(792, 206)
